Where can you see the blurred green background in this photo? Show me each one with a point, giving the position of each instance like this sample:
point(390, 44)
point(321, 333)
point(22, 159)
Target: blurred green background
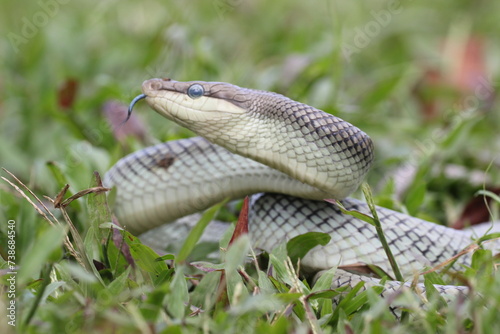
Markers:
point(418, 76)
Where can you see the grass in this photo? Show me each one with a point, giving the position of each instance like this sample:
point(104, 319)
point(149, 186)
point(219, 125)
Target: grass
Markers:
point(367, 63)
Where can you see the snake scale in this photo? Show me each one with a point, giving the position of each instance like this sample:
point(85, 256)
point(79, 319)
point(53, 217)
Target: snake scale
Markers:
point(295, 156)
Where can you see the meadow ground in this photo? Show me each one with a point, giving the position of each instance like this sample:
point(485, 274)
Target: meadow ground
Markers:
point(418, 77)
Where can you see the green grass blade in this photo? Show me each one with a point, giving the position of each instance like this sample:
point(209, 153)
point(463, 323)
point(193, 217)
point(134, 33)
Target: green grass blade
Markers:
point(46, 249)
point(300, 245)
point(197, 231)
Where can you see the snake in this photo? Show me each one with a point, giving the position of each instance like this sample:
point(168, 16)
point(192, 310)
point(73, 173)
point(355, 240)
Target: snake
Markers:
point(289, 157)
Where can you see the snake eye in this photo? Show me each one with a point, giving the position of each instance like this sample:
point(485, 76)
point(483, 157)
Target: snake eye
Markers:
point(195, 91)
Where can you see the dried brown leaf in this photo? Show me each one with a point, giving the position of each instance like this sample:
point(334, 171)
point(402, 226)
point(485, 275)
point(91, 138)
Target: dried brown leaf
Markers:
point(476, 211)
point(121, 244)
point(242, 224)
point(66, 93)
point(116, 113)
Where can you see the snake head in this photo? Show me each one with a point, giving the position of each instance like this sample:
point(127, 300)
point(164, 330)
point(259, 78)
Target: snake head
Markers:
point(195, 101)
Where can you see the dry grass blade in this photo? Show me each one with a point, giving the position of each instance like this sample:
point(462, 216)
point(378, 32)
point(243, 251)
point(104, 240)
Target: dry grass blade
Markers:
point(221, 294)
point(82, 259)
point(311, 318)
point(79, 256)
point(469, 249)
point(94, 190)
point(29, 201)
point(310, 315)
point(59, 198)
point(67, 242)
point(32, 194)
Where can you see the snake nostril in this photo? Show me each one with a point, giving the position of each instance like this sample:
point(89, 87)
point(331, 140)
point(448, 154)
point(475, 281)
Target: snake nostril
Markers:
point(153, 85)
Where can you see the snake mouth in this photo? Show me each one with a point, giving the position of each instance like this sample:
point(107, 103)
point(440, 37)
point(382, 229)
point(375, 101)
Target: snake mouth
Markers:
point(143, 96)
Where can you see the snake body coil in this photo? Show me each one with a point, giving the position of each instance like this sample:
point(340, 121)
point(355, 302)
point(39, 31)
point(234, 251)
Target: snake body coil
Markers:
point(266, 142)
